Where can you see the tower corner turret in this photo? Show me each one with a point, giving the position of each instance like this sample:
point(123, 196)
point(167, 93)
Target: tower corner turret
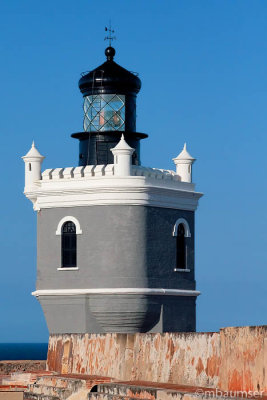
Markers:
point(184, 162)
point(122, 158)
point(33, 162)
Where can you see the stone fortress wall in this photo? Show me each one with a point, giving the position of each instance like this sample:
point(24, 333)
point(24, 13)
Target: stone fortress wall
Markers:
point(232, 359)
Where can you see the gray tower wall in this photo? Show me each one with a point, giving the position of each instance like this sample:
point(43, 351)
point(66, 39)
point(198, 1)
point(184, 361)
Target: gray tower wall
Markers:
point(120, 247)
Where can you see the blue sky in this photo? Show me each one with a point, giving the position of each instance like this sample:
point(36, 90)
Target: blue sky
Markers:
point(203, 71)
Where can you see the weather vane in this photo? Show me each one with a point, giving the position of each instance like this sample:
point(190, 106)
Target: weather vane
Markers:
point(110, 36)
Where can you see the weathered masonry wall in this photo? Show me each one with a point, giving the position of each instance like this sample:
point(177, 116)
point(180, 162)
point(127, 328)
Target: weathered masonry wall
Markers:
point(6, 367)
point(233, 359)
point(244, 358)
point(187, 358)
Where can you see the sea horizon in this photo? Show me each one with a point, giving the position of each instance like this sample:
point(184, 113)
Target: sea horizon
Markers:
point(23, 351)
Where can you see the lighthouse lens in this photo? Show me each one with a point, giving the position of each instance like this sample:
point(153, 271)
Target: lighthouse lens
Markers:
point(104, 113)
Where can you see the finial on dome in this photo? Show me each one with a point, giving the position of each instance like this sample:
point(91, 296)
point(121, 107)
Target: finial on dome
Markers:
point(110, 51)
point(33, 145)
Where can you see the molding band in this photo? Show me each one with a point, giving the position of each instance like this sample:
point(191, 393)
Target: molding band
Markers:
point(116, 291)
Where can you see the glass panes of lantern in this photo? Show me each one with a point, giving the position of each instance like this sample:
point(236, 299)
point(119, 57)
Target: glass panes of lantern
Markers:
point(104, 112)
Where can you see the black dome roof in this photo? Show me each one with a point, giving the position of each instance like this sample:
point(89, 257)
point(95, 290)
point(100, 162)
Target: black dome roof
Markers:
point(109, 78)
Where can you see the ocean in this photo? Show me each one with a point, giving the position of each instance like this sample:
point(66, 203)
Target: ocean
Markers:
point(23, 351)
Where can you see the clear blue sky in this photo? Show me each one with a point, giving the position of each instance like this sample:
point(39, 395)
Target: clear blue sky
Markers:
point(203, 67)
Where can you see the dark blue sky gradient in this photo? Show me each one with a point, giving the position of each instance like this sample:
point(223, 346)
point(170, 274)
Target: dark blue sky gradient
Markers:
point(203, 69)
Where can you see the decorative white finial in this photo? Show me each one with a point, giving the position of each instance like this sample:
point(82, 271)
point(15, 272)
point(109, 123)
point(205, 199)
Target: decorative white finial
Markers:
point(184, 163)
point(184, 155)
point(33, 153)
point(122, 145)
point(122, 158)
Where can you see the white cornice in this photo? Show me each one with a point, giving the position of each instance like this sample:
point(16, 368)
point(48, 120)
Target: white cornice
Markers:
point(147, 187)
point(117, 191)
point(116, 291)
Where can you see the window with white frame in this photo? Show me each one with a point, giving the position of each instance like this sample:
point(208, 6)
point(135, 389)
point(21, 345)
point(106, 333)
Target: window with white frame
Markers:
point(181, 232)
point(68, 245)
point(68, 228)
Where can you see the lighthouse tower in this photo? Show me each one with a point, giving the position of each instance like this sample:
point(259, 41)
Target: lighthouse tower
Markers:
point(115, 239)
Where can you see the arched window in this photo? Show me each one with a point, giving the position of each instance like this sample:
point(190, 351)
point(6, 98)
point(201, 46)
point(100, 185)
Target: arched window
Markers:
point(68, 245)
point(180, 248)
point(181, 232)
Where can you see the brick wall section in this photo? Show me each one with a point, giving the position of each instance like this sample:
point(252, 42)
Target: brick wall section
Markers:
point(232, 359)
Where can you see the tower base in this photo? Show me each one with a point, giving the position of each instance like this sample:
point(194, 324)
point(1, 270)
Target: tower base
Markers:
point(120, 313)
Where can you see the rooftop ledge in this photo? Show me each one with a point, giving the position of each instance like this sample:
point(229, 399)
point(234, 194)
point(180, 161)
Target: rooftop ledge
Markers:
point(100, 171)
point(98, 185)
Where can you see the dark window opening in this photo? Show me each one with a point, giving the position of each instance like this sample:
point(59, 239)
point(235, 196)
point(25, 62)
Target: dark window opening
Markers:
point(180, 248)
point(30, 167)
point(68, 245)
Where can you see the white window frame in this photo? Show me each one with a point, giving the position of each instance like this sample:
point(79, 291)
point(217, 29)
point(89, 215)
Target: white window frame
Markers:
point(72, 219)
point(59, 233)
point(186, 227)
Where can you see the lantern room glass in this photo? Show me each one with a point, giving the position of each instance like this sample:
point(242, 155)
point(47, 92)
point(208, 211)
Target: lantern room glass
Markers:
point(104, 112)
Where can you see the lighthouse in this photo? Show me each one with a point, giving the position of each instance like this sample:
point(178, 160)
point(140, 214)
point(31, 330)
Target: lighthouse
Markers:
point(109, 103)
point(116, 239)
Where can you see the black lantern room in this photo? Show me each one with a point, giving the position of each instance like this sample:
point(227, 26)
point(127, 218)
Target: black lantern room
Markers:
point(109, 93)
